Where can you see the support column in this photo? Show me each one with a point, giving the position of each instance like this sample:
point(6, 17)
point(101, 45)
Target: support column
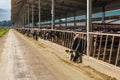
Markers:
point(46, 21)
point(25, 19)
point(75, 19)
point(39, 14)
point(17, 24)
point(28, 16)
point(32, 15)
point(89, 24)
point(20, 19)
point(53, 14)
point(103, 14)
point(66, 20)
point(60, 21)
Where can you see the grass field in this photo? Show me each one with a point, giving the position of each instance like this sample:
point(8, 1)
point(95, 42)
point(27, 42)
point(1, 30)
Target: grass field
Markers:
point(3, 31)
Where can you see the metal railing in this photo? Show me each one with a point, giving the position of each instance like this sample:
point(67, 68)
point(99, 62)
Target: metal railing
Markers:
point(106, 47)
point(106, 27)
point(103, 46)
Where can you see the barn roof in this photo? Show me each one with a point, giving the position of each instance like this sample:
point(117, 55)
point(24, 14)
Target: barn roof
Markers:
point(63, 8)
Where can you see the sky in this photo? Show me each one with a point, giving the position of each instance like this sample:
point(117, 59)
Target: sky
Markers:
point(5, 9)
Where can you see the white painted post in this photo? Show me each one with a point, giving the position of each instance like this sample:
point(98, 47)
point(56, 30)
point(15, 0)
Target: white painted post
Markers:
point(28, 15)
point(89, 25)
point(66, 24)
point(75, 19)
point(53, 14)
point(25, 19)
point(39, 14)
point(103, 14)
point(32, 15)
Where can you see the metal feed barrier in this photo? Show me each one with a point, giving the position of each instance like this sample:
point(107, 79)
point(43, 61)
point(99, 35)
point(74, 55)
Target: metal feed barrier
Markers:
point(103, 46)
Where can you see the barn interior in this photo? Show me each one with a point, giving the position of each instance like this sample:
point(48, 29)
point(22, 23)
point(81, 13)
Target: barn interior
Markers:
point(94, 20)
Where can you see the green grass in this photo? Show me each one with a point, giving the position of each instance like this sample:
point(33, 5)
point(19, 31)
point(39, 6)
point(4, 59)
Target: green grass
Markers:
point(3, 31)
